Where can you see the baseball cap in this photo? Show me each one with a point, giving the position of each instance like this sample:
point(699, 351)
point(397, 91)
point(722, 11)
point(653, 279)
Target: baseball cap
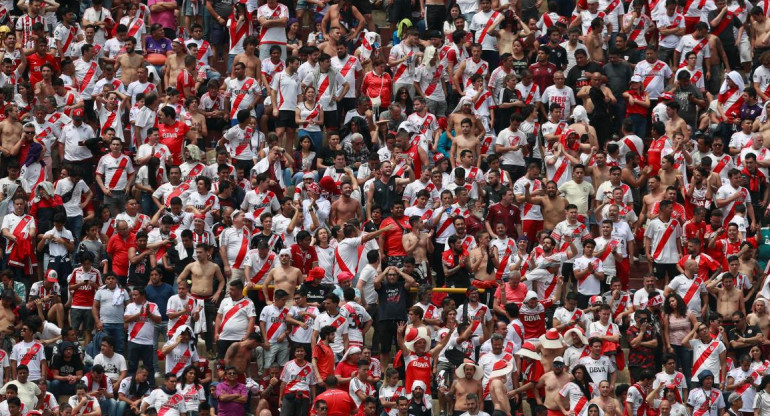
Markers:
point(52, 276)
point(636, 78)
point(78, 113)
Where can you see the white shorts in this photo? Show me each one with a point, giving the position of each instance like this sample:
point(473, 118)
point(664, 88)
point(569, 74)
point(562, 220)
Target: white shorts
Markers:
point(744, 50)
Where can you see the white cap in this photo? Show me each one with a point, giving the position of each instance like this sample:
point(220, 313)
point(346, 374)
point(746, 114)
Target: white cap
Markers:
point(530, 295)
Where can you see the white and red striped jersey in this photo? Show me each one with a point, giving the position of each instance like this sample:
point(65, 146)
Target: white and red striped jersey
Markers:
point(477, 316)
point(30, 354)
point(274, 319)
point(239, 30)
point(350, 68)
point(24, 25)
point(298, 378)
point(298, 334)
point(259, 267)
point(115, 171)
point(91, 405)
point(275, 35)
point(287, 88)
point(67, 37)
point(235, 318)
point(640, 26)
point(482, 23)
point(166, 404)
point(141, 331)
point(270, 68)
point(87, 74)
point(242, 94)
point(356, 316)
point(405, 71)
point(236, 243)
point(177, 304)
point(529, 211)
point(665, 238)
point(472, 67)
point(111, 118)
point(688, 44)
point(239, 142)
point(430, 79)
point(180, 357)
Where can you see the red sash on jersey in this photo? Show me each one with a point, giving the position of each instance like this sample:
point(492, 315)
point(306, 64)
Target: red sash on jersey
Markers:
point(118, 173)
point(338, 322)
point(726, 21)
point(702, 44)
point(448, 221)
point(527, 206)
point(202, 50)
point(275, 325)
point(172, 402)
point(637, 30)
point(246, 142)
point(178, 190)
point(477, 317)
point(88, 76)
point(275, 15)
point(722, 163)
point(195, 171)
point(480, 71)
point(265, 268)
point(301, 375)
point(486, 144)
point(313, 114)
point(734, 110)
point(673, 25)
point(110, 120)
point(138, 325)
point(547, 20)
point(706, 406)
point(182, 363)
point(31, 353)
point(242, 252)
point(434, 82)
point(349, 64)
point(341, 263)
point(664, 238)
point(237, 32)
point(754, 376)
point(581, 403)
point(694, 286)
point(608, 249)
point(488, 26)
point(689, 3)
point(233, 310)
point(67, 42)
point(704, 356)
point(653, 4)
point(352, 312)
point(560, 170)
point(138, 24)
point(621, 307)
point(182, 320)
point(531, 93)
point(481, 100)
point(653, 72)
point(399, 71)
point(237, 102)
point(509, 248)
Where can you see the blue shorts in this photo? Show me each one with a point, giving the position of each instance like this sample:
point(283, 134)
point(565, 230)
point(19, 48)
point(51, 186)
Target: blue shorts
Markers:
point(219, 35)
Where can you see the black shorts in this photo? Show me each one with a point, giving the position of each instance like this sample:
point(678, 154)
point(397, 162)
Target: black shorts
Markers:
point(399, 10)
point(286, 119)
point(388, 330)
point(332, 119)
point(222, 346)
point(660, 270)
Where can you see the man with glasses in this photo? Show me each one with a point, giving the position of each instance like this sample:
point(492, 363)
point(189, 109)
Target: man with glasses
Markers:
point(231, 395)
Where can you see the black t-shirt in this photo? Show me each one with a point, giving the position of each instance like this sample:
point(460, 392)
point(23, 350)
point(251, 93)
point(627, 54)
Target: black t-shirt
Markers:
point(315, 294)
point(749, 332)
point(67, 368)
point(726, 36)
point(393, 301)
point(558, 56)
point(576, 78)
point(418, 409)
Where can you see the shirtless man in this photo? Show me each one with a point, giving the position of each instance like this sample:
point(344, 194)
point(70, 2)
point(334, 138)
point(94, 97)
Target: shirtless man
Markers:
point(333, 38)
point(668, 175)
point(675, 124)
point(335, 19)
point(581, 127)
point(346, 208)
point(554, 205)
point(600, 172)
point(44, 88)
point(594, 41)
point(499, 394)
point(718, 57)
point(553, 382)
point(729, 298)
point(129, 62)
point(285, 276)
point(596, 82)
point(10, 134)
point(466, 112)
point(417, 243)
point(656, 194)
point(9, 320)
point(250, 58)
point(174, 63)
point(480, 257)
point(748, 264)
point(469, 383)
point(605, 401)
point(465, 141)
point(202, 273)
point(238, 355)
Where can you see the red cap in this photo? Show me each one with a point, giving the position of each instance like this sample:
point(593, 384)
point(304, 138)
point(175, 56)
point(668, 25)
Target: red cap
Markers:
point(78, 112)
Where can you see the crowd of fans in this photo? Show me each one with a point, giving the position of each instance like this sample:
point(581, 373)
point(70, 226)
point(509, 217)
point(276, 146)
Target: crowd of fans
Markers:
point(278, 208)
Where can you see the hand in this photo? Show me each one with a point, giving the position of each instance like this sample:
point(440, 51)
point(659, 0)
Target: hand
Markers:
point(402, 327)
point(228, 272)
point(99, 325)
point(215, 297)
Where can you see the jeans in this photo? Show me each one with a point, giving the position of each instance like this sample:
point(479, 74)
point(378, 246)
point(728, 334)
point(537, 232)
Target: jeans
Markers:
point(160, 330)
point(148, 205)
point(640, 124)
point(139, 352)
point(119, 409)
point(118, 334)
point(108, 406)
point(316, 137)
point(278, 353)
point(116, 203)
point(75, 225)
point(59, 388)
point(295, 406)
point(683, 361)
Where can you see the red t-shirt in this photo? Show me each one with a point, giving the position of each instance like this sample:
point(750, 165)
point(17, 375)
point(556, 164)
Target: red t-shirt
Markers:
point(173, 137)
point(185, 79)
point(35, 61)
point(325, 358)
point(340, 403)
point(118, 249)
point(344, 369)
point(303, 260)
point(393, 242)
